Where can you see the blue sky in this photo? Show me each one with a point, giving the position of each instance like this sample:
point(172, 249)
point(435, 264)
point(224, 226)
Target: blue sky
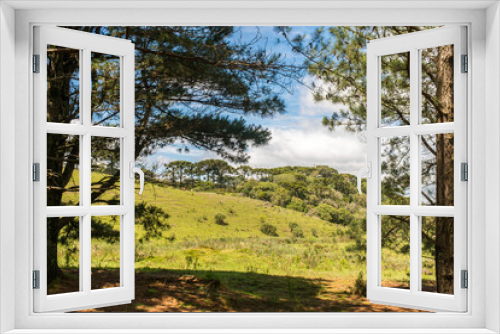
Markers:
point(298, 138)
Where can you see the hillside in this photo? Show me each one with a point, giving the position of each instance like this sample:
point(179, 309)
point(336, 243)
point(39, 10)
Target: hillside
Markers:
point(197, 262)
point(240, 245)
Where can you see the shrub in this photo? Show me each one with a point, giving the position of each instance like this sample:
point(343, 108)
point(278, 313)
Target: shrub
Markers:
point(264, 196)
point(281, 197)
point(325, 212)
point(297, 204)
point(269, 229)
point(296, 230)
point(220, 219)
point(359, 288)
point(152, 218)
point(314, 233)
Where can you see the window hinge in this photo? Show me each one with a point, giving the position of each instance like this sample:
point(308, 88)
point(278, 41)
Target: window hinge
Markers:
point(36, 172)
point(464, 171)
point(36, 63)
point(36, 279)
point(465, 64)
point(465, 279)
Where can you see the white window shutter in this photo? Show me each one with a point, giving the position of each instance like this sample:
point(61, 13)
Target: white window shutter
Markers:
point(122, 131)
point(414, 296)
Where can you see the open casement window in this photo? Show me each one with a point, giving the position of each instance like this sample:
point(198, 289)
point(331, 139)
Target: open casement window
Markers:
point(84, 163)
point(416, 132)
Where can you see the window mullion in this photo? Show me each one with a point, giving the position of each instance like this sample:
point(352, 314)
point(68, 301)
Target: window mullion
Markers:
point(414, 167)
point(86, 241)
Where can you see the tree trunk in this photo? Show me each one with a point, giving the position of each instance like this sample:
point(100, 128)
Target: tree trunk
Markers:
point(62, 151)
point(53, 229)
point(444, 250)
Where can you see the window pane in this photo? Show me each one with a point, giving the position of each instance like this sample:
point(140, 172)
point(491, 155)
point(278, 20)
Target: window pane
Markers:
point(395, 170)
point(63, 255)
point(437, 254)
point(437, 169)
point(105, 171)
point(105, 78)
point(105, 256)
point(63, 84)
point(395, 261)
point(395, 89)
point(63, 174)
point(437, 84)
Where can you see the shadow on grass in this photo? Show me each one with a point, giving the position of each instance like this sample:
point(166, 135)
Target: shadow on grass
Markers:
point(160, 290)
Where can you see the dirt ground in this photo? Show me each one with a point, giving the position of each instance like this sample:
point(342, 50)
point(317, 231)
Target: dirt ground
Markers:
point(177, 291)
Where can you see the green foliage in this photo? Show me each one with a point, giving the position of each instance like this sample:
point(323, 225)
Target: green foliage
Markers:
point(336, 56)
point(240, 76)
point(325, 212)
point(241, 245)
point(220, 219)
point(281, 197)
point(153, 220)
point(359, 288)
point(104, 229)
point(297, 204)
point(296, 230)
point(269, 230)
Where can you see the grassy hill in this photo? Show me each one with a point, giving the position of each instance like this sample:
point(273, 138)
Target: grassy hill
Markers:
point(200, 263)
point(200, 243)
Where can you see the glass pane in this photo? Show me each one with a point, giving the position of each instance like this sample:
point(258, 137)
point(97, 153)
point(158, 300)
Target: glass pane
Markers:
point(437, 84)
point(105, 254)
point(395, 89)
point(63, 173)
point(105, 78)
point(437, 169)
point(437, 254)
point(63, 84)
point(105, 171)
point(395, 259)
point(63, 255)
point(395, 170)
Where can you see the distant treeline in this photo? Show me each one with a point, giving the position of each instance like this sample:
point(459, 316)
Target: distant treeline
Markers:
point(319, 190)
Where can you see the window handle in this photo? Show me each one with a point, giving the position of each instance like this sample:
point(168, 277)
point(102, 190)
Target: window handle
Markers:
point(134, 170)
point(368, 171)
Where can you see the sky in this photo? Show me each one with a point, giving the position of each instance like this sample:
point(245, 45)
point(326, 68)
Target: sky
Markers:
point(298, 138)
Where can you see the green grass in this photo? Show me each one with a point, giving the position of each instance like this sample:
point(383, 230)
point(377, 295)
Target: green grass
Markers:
point(238, 254)
point(199, 243)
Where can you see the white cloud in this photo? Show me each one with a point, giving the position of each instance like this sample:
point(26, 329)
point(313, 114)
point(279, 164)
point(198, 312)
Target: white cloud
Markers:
point(173, 151)
point(311, 144)
point(308, 106)
point(152, 160)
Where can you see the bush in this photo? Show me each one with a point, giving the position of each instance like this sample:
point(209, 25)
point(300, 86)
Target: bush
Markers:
point(296, 230)
point(281, 197)
point(269, 229)
point(314, 233)
point(220, 219)
point(359, 288)
point(264, 196)
point(325, 212)
point(152, 218)
point(297, 204)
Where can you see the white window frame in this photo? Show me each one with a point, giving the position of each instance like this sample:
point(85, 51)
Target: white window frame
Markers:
point(414, 43)
point(483, 21)
point(86, 43)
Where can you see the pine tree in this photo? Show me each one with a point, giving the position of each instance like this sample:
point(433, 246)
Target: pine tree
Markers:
point(193, 86)
point(336, 57)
